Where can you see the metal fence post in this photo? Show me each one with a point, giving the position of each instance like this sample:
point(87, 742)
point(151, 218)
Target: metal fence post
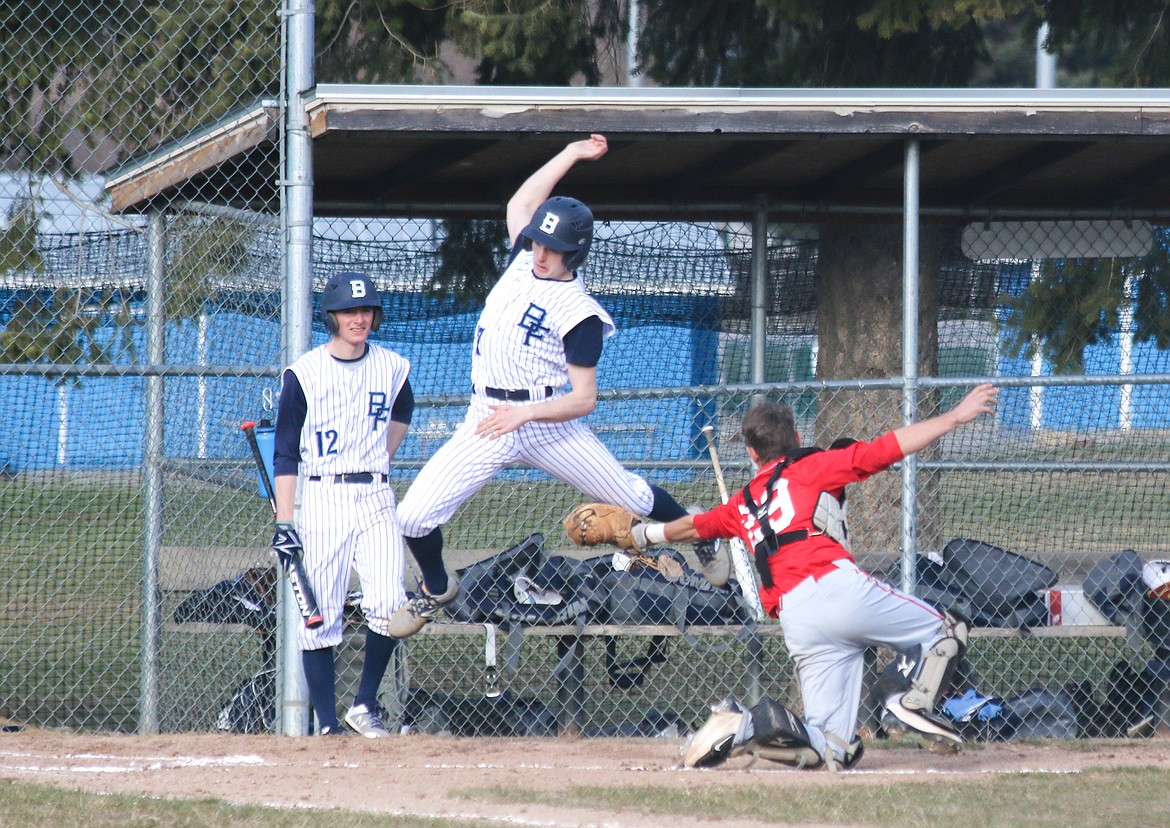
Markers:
point(152, 480)
point(297, 252)
point(910, 358)
point(759, 270)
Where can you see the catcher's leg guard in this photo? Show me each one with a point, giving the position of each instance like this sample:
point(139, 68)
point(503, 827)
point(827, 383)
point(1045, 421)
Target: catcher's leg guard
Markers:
point(779, 735)
point(914, 706)
point(712, 744)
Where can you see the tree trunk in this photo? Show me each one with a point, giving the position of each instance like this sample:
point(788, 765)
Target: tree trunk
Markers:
point(859, 321)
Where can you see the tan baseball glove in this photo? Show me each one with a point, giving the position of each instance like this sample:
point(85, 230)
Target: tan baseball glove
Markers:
point(665, 565)
point(593, 523)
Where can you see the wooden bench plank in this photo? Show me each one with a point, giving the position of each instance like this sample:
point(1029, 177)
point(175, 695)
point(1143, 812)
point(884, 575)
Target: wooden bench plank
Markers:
point(769, 630)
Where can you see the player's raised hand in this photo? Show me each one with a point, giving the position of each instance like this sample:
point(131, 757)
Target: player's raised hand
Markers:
point(979, 400)
point(591, 148)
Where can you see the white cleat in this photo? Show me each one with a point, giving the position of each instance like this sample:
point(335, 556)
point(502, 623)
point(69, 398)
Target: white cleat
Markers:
point(922, 723)
point(366, 722)
point(418, 612)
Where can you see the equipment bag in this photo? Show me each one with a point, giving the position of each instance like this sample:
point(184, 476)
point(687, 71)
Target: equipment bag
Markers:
point(647, 597)
point(1039, 713)
point(931, 586)
point(249, 598)
point(1114, 587)
point(487, 588)
point(579, 584)
point(1004, 589)
point(252, 707)
point(507, 714)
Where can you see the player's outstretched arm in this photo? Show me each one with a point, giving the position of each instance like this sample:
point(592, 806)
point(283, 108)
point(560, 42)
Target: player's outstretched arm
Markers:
point(539, 186)
point(917, 436)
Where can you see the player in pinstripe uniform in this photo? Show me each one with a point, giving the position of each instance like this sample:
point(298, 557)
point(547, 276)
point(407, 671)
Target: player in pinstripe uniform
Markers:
point(344, 410)
point(534, 375)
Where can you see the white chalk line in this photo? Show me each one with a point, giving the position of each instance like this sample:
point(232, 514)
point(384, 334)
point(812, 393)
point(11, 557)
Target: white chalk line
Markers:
point(68, 763)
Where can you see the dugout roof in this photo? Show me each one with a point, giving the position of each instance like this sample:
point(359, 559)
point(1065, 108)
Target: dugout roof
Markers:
point(688, 154)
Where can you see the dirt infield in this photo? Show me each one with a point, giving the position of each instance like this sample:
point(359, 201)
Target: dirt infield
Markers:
point(430, 775)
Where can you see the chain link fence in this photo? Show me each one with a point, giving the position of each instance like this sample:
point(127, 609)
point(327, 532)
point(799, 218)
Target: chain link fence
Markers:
point(135, 347)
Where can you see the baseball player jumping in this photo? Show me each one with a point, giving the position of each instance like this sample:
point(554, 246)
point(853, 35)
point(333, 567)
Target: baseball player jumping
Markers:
point(534, 375)
point(792, 514)
point(344, 410)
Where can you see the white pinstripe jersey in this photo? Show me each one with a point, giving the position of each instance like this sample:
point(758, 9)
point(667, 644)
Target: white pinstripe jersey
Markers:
point(348, 409)
point(519, 340)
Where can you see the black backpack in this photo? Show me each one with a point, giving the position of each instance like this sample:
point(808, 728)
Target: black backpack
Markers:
point(487, 588)
point(252, 707)
point(989, 585)
point(645, 596)
point(1114, 586)
point(248, 598)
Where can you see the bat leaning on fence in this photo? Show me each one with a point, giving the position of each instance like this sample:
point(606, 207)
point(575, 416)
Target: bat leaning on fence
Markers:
point(288, 553)
point(739, 555)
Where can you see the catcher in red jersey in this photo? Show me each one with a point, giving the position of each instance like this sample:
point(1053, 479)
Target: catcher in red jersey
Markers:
point(792, 515)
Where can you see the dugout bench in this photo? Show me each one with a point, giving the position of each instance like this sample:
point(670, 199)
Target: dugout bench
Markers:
point(568, 681)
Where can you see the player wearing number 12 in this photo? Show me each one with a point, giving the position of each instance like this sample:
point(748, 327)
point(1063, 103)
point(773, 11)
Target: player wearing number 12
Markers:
point(344, 410)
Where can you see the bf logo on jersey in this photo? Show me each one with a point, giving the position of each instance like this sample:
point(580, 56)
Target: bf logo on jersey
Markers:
point(533, 322)
point(378, 408)
point(357, 288)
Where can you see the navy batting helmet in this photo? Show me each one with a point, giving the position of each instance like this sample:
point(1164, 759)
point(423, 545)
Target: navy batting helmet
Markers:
point(346, 291)
point(563, 224)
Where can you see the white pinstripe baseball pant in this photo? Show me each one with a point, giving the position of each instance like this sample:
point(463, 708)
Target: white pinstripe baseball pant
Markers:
point(569, 451)
point(346, 525)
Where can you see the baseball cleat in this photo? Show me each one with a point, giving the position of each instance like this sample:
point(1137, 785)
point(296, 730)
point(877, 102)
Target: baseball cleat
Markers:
point(418, 612)
point(712, 743)
point(713, 561)
point(366, 722)
point(922, 723)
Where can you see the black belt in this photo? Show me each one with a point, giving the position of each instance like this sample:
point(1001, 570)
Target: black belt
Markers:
point(353, 477)
point(519, 395)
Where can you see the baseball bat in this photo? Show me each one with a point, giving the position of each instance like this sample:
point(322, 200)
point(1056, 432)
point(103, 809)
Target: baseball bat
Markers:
point(743, 561)
point(298, 579)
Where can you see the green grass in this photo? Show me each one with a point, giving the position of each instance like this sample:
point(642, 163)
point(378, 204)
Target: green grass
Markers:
point(1119, 798)
point(1127, 798)
point(25, 805)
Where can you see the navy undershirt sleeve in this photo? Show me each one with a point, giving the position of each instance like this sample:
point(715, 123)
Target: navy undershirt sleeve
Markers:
point(583, 343)
point(290, 418)
point(403, 409)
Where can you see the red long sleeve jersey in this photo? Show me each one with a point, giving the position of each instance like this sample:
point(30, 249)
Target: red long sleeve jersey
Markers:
point(794, 499)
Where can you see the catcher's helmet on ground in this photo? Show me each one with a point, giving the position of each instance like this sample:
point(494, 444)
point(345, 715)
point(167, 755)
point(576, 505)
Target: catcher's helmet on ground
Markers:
point(348, 290)
point(563, 224)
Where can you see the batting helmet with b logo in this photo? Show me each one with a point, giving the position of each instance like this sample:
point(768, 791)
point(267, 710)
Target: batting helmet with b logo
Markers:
point(346, 291)
point(563, 224)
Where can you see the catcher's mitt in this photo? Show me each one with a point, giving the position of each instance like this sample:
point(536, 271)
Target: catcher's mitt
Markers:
point(592, 523)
